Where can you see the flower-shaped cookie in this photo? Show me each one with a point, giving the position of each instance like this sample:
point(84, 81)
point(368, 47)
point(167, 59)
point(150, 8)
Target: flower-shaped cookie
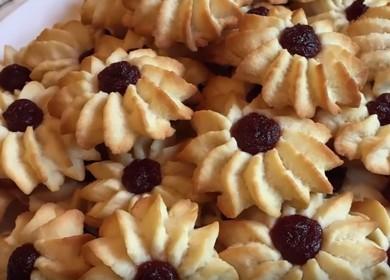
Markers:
point(299, 65)
point(253, 158)
point(159, 244)
point(106, 14)
point(45, 244)
point(57, 51)
point(324, 241)
point(120, 186)
point(194, 23)
point(127, 96)
point(32, 149)
point(372, 33)
point(340, 12)
point(368, 139)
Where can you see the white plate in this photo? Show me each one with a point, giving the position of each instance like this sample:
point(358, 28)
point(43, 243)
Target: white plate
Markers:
point(28, 19)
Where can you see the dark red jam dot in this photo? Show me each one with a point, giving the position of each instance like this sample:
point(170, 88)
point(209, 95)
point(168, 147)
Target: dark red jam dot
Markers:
point(21, 114)
point(118, 76)
point(221, 70)
point(91, 230)
point(183, 130)
point(141, 176)
point(86, 54)
point(21, 262)
point(355, 10)
point(336, 177)
point(380, 107)
point(253, 93)
point(14, 77)
point(297, 238)
point(156, 270)
point(256, 133)
point(301, 39)
point(260, 11)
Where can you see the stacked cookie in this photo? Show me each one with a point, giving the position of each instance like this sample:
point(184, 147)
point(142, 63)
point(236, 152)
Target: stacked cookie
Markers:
point(199, 139)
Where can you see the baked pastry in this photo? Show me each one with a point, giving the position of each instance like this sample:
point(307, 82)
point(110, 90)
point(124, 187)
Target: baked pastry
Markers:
point(255, 158)
point(120, 186)
point(123, 98)
point(340, 12)
point(369, 138)
point(371, 33)
point(324, 241)
point(32, 149)
point(58, 51)
point(158, 244)
point(299, 65)
point(45, 245)
point(105, 14)
point(194, 23)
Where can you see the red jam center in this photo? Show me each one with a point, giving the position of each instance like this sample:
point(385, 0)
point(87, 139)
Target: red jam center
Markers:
point(156, 270)
point(256, 133)
point(300, 39)
point(336, 177)
point(118, 76)
point(21, 114)
point(297, 238)
point(380, 107)
point(14, 77)
point(141, 176)
point(355, 10)
point(21, 262)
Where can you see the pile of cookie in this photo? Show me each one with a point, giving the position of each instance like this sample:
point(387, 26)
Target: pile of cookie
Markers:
point(199, 139)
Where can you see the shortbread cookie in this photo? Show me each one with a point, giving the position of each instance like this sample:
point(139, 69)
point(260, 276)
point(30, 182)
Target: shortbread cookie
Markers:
point(324, 241)
point(254, 158)
point(299, 65)
point(104, 14)
point(128, 96)
point(369, 138)
point(193, 23)
point(119, 186)
point(372, 33)
point(45, 245)
point(58, 51)
point(159, 244)
point(32, 149)
point(340, 12)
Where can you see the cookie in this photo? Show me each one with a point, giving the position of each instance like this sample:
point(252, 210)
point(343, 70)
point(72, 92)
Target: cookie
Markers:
point(45, 244)
point(255, 158)
point(193, 23)
point(159, 243)
point(324, 241)
point(57, 51)
point(299, 65)
point(33, 151)
point(128, 96)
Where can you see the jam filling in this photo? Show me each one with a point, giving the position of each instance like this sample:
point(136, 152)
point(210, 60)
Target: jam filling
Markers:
point(14, 77)
point(142, 176)
point(297, 238)
point(21, 262)
point(381, 107)
point(355, 10)
point(256, 133)
point(302, 40)
point(118, 76)
point(156, 270)
point(21, 114)
point(336, 177)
